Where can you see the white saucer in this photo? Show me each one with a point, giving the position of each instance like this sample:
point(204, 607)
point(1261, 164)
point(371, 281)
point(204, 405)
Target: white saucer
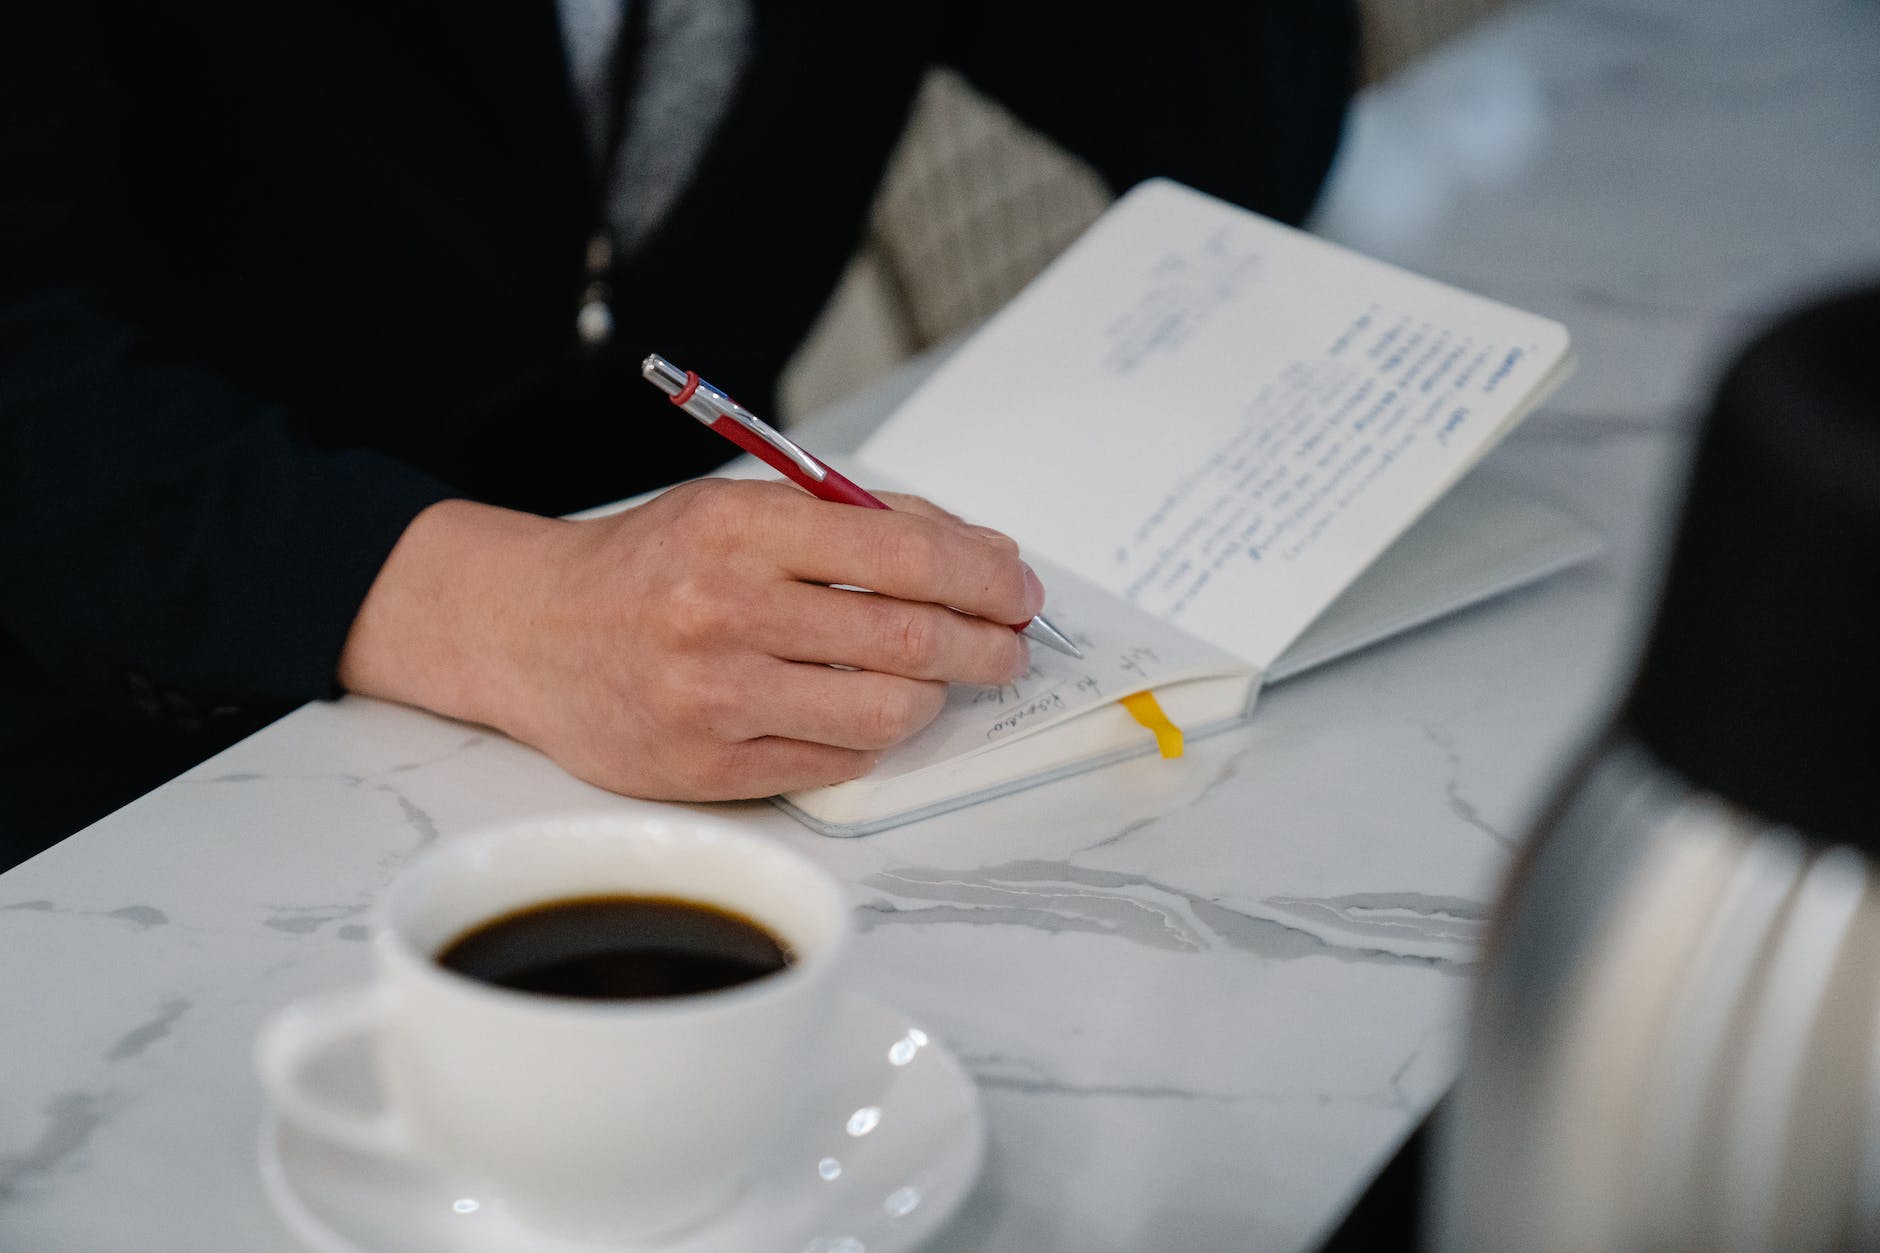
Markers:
point(894, 1142)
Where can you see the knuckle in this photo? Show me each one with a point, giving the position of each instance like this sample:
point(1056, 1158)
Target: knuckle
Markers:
point(692, 706)
point(692, 504)
point(911, 552)
point(697, 609)
point(896, 712)
point(717, 516)
point(1011, 657)
point(997, 655)
point(718, 709)
point(914, 640)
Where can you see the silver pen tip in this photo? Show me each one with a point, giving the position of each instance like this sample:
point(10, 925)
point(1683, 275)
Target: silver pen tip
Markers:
point(1042, 631)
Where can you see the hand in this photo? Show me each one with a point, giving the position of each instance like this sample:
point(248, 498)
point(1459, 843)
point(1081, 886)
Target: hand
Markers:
point(686, 649)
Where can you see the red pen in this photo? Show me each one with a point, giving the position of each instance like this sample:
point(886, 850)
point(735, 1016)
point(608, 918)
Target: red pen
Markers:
point(769, 445)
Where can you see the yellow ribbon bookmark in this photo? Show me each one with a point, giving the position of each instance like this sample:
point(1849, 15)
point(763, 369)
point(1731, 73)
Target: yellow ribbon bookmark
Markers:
point(1168, 736)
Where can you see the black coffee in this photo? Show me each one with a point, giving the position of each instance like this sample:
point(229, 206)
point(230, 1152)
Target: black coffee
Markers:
point(617, 948)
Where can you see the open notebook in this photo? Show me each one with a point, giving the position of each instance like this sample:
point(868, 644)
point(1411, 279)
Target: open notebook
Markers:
point(1210, 433)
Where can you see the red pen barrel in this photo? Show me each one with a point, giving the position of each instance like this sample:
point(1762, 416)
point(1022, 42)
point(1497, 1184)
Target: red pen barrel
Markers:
point(833, 487)
point(841, 490)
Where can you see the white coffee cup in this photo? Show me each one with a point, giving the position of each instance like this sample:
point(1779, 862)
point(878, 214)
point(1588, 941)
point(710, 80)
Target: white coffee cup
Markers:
point(624, 1119)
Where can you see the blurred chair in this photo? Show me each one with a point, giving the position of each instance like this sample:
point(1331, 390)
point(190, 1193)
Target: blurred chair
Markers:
point(975, 203)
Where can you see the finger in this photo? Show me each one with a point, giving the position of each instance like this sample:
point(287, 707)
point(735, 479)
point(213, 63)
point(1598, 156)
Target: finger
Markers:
point(904, 503)
point(769, 765)
point(912, 639)
point(854, 709)
point(909, 557)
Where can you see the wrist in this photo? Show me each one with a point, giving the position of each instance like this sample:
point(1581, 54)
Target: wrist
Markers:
point(442, 623)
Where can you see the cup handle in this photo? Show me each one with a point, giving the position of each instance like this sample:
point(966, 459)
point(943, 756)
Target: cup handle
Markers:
point(306, 1032)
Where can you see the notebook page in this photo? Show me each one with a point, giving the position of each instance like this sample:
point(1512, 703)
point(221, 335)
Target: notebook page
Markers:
point(1215, 417)
point(1124, 651)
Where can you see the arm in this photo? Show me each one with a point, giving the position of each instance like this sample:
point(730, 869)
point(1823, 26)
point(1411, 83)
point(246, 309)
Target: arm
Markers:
point(152, 514)
point(178, 524)
point(1242, 98)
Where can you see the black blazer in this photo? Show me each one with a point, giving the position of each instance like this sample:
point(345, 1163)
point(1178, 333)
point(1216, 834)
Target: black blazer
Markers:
point(275, 276)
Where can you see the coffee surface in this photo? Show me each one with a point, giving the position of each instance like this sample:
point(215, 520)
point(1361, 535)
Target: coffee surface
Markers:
point(617, 948)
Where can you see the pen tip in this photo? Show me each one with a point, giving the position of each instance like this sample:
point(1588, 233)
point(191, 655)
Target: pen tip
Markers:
point(1042, 631)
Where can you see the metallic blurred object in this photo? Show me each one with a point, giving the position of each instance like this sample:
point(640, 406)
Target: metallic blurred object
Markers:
point(1676, 1043)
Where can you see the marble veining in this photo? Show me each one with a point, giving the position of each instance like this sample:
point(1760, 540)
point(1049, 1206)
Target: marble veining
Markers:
point(1408, 918)
point(1026, 1076)
point(347, 777)
point(988, 1072)
point(413, 815)
point(142, 1036)
point(419, 821)
point(1057, 897)
point(1459, 804)
point(265, 776)
point(139, 916)
point(70, 1119)
point(303, 919)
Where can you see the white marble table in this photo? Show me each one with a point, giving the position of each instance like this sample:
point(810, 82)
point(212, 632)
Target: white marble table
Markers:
point(1204, 1002)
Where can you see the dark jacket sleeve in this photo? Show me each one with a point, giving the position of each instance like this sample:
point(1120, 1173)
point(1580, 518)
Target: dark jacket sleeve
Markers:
point(154, 517)
point(1244, 99)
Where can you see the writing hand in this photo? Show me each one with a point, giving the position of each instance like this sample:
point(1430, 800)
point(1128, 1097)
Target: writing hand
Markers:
point(686, 649)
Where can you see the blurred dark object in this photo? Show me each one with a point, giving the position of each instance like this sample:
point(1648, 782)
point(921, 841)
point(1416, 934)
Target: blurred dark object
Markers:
point(1389, 1216)
point(1761, 682)
point(1675, 1042)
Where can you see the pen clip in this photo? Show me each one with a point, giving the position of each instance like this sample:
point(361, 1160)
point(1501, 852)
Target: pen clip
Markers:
point(706, 403)
point(770, 435)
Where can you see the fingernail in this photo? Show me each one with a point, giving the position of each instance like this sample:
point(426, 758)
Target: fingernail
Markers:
point(1034, 593)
